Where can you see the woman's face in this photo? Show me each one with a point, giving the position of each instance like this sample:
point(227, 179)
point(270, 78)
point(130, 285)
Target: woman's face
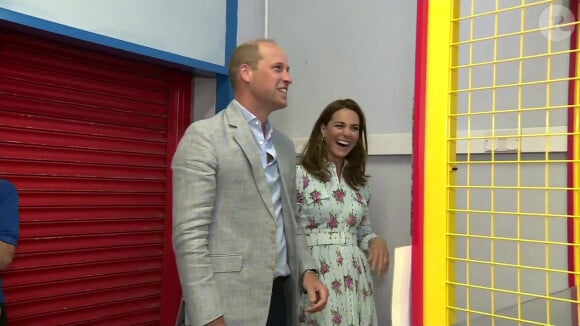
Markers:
point(341, 133)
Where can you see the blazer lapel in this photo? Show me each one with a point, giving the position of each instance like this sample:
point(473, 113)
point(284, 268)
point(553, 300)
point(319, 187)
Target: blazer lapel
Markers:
point(245, 139)
point(283, 162)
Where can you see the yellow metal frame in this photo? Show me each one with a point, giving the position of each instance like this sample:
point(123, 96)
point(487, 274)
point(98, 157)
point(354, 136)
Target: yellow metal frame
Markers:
point(439, 281)
point(438, 173)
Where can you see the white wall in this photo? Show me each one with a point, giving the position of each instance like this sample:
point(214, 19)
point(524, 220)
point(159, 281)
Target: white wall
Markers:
point(194, 29)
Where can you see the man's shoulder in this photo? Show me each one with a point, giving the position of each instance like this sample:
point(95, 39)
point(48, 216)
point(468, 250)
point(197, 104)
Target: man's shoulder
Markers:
point(283, 140)
point(207, 124)
point(8, 194)
point(280, 134)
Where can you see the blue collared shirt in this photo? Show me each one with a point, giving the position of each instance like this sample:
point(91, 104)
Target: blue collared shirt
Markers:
point(266, 147)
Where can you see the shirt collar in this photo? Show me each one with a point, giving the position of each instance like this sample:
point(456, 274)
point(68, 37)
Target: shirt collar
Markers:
point(252, 120)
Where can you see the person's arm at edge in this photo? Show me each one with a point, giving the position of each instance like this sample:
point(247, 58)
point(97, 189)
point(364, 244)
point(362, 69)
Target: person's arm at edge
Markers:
point(6, 254)
point(9, 223)
point(309, 280)
point(375, 245)
point(194, 167)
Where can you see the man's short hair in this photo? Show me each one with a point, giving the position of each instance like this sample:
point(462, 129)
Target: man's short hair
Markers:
point(246, 53)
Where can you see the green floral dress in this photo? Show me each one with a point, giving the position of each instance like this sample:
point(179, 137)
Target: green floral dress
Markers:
point(338, 230)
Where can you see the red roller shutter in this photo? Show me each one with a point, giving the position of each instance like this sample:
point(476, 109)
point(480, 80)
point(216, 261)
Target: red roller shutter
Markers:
point(87, 138)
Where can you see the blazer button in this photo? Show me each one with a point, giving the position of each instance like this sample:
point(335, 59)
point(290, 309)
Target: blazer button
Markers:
point(272, 266)
point(272, 231)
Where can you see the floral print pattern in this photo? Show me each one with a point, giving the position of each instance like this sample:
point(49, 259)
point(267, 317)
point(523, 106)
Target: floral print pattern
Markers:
point(332, 206)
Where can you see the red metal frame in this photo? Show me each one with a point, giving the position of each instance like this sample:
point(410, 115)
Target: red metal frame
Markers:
point(180, 101)
point(419, 165)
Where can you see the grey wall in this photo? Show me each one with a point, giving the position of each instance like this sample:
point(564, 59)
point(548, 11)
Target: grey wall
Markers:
point(390, 183)
point(363, 50)
point(251, 17)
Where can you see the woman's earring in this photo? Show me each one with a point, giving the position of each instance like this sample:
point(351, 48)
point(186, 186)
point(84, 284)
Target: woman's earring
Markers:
point(323, 140)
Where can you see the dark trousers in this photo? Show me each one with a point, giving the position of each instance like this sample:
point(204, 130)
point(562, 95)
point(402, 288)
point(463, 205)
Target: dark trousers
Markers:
point(3, 315)
point(277, 313)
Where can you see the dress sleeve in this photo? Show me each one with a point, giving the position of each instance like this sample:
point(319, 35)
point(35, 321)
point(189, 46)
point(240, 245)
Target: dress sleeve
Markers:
point(365, 231)
point(299, 191)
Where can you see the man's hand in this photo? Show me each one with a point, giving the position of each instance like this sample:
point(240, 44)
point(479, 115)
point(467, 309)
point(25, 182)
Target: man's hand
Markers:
point(317, 291)
point(218, 322)
point(378, 256)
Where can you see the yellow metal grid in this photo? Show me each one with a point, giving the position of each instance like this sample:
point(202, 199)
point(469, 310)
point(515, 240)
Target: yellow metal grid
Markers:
point(499, 128)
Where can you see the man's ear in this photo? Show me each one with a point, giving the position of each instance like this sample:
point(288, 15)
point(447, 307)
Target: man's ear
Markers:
point(246, 72)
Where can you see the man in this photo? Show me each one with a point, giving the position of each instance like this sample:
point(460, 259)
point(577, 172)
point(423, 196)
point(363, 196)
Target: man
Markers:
point(242, 260)
point(9, 232)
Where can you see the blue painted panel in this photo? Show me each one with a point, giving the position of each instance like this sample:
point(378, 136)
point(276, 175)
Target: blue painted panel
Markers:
point(60, 29)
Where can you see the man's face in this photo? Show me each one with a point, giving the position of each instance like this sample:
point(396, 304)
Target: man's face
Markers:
point(270, 81)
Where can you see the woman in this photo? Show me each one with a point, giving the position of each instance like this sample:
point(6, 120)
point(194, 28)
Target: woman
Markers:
point(333, 206)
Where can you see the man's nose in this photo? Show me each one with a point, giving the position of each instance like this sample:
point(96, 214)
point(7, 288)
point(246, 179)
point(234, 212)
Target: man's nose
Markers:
point(288, 78)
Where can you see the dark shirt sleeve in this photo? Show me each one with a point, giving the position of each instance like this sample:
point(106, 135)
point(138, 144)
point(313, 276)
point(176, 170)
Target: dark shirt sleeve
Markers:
point(9, 213)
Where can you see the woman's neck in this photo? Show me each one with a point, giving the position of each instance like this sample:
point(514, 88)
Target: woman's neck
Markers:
point(339, 164)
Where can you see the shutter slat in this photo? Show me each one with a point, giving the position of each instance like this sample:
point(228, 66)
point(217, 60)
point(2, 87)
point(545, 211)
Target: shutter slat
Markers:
point(52, 289)
point(59, 258)
point(56, 213)
point(80, 97)
point(87, 141)
point(84, 184)
point(81, 300)
point(134, 312)
point(65, 79)
point(29, 152)
point(87, 62)
point(87, 271)
point(47, 244)
point(68, 228)
point(140, 317)
point(46, 168)
point(91, 113)
point(70, 126)
point(90, 198)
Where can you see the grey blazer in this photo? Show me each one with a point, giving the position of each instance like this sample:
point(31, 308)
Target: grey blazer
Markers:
point(224, 234)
